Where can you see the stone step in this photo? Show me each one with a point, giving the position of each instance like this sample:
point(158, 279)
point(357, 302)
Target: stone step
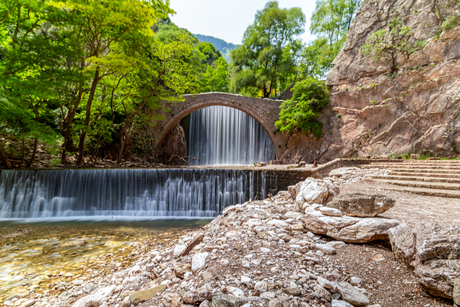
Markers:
point(416, 161)
point(425, 171)
point(418, 178)
point(427, 192)
point(413, 173)
point(407, 166)
point(424, 185)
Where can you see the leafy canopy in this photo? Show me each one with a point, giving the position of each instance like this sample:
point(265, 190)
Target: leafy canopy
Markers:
point(330, 23)
point(87, 70)
point(269, 51)
point(310, 97)
point(210, 72)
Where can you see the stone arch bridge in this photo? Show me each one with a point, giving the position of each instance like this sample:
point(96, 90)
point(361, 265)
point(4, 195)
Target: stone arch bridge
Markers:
point(264, 111)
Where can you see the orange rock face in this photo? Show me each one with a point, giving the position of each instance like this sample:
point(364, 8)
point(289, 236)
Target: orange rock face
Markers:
point(416, 110)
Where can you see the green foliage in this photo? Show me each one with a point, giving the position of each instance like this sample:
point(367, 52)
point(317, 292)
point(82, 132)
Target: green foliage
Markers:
point(216, 78)
point(266, 61)
point(90, 71)
point(450, 23)
point(210, 72)
point(330, 23)
point(390, 42)
point(310, 97)
point(221, 45)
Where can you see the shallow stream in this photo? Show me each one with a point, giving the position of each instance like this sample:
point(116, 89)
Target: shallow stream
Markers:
point(40, 257)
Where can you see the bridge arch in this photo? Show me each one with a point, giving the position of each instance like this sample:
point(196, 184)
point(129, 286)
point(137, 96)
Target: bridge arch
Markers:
point(264, 111)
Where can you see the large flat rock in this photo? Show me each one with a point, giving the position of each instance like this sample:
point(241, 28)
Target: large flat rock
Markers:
point(346, 228)
point(362, 205)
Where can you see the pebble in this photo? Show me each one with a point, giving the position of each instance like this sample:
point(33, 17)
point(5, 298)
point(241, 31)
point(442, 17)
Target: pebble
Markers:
point(245, 279)
point(336, 303)
point(222, 300)
point(355, 281)
point(236, 292)
point(261, 286)
point(326, 249)
point(378, 258)
point(199, 261)
point(178, 250)
point(268, 295)
point(295, 291)
point(144, 295)
point(352, 295)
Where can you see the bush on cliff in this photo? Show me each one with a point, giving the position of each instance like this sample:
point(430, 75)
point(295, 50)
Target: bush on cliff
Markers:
point(309, 97)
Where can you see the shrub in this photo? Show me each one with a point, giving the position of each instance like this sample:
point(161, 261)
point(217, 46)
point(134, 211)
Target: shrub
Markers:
point(450, 23)
point(309, 97)
point(389, 42)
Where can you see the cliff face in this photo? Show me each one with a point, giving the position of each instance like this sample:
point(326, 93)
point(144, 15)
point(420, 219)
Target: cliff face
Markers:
point(417, 109)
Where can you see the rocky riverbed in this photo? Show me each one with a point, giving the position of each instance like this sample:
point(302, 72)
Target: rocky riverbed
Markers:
point(292, 249)
point(44, 259)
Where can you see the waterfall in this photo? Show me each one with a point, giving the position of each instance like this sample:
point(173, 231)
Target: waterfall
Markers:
point(130, 192)
point(226, 136)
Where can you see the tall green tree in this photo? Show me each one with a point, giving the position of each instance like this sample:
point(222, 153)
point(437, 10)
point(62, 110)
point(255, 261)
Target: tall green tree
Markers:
point(26, 55)
point(104, 24)
point(269, 52)
point(330, 23)
point(216, 77)
point(157, 72)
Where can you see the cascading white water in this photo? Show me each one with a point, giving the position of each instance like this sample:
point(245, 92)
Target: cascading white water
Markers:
point(134, 193)
point(226, 136)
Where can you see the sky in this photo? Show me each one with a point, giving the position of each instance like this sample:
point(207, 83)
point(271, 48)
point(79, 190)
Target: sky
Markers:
point(228, 20)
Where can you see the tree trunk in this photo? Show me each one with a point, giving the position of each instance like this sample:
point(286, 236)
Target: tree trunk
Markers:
point(81, 144)
point(4, 158)
point(122, 148)
point(33, 153)
point(67, 146)
point(123, 141)
point(23, 154)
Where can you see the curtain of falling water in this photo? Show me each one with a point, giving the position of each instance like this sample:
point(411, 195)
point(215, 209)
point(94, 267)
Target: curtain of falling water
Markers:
point(155, 193)
point(226, 136)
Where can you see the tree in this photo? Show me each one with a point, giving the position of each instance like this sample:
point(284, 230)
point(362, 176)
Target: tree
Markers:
point(210, 68)
point(26, 56)
point(309, 97)
point(216, 78)
point(391, 42)
point(330, 23)
point(157, 72)
point(102, 25)
point(269, 51)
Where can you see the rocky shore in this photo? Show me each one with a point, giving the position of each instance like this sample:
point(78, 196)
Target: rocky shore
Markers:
point(309, 246)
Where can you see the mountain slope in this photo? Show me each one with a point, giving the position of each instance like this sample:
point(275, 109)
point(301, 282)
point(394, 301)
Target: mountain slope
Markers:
point(220, 44)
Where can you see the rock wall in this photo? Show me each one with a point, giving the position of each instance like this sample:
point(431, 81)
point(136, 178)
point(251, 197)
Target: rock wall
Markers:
point(375, 112)
point(415, 110)
point(301, 147)
point(174, 148)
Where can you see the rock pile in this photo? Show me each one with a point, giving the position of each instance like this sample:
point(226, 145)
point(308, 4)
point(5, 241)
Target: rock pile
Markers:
point(260, 253)
point(269, 253)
